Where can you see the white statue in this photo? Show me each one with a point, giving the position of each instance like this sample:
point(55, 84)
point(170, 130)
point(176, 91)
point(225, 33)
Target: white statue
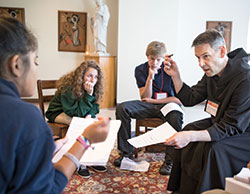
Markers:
point(99, 24)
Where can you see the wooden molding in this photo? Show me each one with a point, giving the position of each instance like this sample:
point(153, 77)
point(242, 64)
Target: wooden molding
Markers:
point(30, 100)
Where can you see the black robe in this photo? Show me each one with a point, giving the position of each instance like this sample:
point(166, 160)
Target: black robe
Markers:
point(202, 166)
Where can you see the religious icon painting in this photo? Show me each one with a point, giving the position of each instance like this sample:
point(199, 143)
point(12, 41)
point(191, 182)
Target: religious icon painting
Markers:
point(72, 31)
point(17, 13)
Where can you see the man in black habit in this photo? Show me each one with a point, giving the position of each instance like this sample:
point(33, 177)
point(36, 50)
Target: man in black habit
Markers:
point(211, 149)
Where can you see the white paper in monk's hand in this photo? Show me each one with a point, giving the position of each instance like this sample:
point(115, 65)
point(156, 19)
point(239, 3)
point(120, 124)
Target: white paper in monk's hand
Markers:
point(157, 135)
point(97, 156)
point(170, 107)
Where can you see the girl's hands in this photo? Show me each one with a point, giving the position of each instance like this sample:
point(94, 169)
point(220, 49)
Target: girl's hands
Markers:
point(98, 131)
point(89, 87)
point(59, 144)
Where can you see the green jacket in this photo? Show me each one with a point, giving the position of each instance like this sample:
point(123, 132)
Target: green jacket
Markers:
point(72, 106)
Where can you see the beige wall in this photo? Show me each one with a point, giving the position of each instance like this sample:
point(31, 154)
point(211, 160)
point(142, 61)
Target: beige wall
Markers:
point(176, 22)
point(41, 17)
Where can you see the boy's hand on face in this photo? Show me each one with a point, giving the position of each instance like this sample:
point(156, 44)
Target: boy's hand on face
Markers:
point(152, 72)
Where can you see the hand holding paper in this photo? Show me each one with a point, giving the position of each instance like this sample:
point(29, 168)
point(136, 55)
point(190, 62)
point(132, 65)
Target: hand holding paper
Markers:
point(157, 135)
point(98, 156)
point(98, 131)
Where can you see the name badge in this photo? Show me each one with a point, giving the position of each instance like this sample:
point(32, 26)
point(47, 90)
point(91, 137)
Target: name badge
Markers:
point(211, 107)
point(161, 95)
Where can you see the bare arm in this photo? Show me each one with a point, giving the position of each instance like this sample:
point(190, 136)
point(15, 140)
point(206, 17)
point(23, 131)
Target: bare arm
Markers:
point(65, 165)
point(172, 70)
point(147, 90)
point(177, 83)
point(97, 132)
point(183, 138)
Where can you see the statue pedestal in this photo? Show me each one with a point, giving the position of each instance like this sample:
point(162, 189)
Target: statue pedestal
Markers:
point(100, 54)
point(108, 66)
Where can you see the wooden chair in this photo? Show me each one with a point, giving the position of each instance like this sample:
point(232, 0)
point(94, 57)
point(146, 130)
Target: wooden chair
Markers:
point(149, 123)
point(58, 129)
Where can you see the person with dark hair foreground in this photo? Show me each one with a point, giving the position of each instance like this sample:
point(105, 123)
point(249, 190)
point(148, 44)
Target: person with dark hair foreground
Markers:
point(211, 149)
point(26, 142)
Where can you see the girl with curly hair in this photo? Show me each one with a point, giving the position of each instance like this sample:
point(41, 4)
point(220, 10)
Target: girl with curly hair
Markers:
point(77, 95)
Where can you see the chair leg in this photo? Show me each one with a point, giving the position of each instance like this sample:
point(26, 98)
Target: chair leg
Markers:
point(148, 124)
point(136, 153)
point(137, 132)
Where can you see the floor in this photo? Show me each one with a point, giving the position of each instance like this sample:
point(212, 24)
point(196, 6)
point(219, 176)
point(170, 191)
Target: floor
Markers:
point(120, 181)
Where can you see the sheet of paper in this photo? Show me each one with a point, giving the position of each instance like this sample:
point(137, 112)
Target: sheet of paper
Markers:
point(76, 128)
point(157, 135)
point(128, 164)
point(101, 152)
point(170, 107)
point(234, 186)
point(243, 175)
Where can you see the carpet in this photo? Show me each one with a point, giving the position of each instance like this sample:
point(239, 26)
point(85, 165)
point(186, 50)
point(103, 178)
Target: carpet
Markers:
point(119, 181)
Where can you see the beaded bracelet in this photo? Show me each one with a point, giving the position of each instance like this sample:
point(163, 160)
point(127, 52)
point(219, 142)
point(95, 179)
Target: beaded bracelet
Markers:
point(84, 142)
point(73, 159)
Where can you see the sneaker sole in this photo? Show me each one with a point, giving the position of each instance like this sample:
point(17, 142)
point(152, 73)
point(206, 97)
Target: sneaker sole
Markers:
point(86, 177)
point(96, 169)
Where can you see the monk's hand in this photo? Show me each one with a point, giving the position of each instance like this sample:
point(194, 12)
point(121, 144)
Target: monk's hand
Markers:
point(170, 66)
point(248, 165)
point(179, 140)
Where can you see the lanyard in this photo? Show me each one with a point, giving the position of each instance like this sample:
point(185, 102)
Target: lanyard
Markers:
point(161, 81)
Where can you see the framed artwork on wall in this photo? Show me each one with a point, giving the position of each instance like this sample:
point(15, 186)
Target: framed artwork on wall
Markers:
point(17, 13)
point(72, 31)
point(225, 27)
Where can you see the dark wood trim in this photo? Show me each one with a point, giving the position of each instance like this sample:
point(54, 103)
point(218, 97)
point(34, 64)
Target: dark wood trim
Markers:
point(30, 100)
